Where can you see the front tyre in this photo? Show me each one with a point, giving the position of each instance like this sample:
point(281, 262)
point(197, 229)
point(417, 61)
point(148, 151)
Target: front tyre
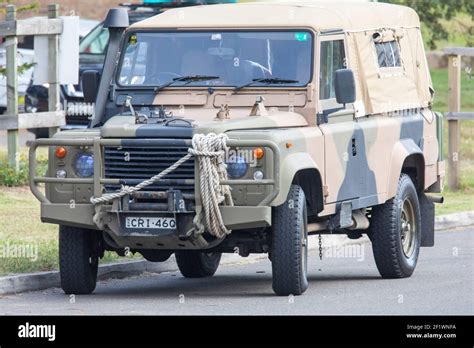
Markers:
point(197, 264)
point(79, 251)
point(396, 232)
point(290, 245)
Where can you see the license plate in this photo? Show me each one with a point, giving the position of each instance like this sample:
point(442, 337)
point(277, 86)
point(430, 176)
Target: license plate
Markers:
point(137, 222)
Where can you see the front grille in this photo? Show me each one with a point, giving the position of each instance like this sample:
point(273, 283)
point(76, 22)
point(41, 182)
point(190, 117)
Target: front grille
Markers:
point(134, 164)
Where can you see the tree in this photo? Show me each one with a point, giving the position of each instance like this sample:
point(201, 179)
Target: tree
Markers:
point(433, 12)
point(27, 7)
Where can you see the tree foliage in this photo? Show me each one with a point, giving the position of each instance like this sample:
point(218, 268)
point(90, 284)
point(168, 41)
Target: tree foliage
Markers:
point(433, 12)
point(34, 5)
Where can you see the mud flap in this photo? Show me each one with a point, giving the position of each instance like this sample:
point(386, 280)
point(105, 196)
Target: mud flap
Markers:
point(427, 211)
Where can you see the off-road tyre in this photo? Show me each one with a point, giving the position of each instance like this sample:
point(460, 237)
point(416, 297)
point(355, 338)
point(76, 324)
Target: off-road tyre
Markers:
point(290, 245)
point(78, 259)
point(395, 256)
point(197, 264)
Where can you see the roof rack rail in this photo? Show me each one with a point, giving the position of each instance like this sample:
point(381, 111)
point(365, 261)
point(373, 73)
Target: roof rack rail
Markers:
point(158, 5)
point(161, 5)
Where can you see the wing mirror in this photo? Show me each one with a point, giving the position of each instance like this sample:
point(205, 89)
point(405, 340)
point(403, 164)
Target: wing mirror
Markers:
point(90, 85)
point(344, 86)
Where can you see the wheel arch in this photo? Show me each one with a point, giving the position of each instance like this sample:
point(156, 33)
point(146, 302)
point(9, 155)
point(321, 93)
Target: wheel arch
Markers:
point(408, 158)
point(310, 181)
point(300, 169)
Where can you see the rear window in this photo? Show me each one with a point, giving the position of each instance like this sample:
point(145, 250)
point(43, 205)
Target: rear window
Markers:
point(388, 54)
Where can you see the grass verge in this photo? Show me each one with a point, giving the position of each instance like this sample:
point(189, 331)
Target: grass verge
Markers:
point(27, 244)
point(462, 200)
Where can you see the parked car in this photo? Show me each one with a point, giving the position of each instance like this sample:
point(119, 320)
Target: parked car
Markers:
point(268, 131)
point(26, 56)
point(92, 49)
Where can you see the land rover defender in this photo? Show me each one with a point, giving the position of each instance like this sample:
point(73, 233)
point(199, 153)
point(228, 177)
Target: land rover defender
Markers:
point(245, 128)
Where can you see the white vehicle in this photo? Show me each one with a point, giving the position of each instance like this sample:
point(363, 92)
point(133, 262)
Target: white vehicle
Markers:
point(26, 55)
point(23, 56)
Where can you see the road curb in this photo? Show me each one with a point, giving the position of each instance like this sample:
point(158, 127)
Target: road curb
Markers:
point(44, 280)
point(455, 220)
point(119, 270)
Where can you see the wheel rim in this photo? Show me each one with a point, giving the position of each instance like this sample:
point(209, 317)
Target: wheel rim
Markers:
point(408, 228)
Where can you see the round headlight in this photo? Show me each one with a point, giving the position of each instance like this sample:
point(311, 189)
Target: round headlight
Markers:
point(84, 165)
point(237, 168)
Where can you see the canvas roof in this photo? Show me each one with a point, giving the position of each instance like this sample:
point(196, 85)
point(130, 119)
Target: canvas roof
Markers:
point(319, 16)
point(378, 90)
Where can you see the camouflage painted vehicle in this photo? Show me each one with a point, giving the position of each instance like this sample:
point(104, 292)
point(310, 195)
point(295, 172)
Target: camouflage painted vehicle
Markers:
point(327, 113)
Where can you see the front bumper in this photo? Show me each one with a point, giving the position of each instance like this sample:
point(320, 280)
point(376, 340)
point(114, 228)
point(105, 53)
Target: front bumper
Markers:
point(85, 215)
point(235, 218)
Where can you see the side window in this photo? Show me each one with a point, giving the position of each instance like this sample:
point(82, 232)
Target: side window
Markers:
point(332, 59)
point(95, 42)
point(388, 54)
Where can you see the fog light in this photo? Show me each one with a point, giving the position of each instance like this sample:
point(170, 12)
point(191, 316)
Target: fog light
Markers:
point(61, 174)
point(258, 175)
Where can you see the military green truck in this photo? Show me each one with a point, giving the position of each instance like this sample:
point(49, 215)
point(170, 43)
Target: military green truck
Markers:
point(244, 128)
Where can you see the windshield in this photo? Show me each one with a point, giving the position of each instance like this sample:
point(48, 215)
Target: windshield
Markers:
point(235, 57)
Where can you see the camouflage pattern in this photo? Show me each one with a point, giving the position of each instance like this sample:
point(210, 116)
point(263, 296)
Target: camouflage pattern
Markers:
point(354, 159)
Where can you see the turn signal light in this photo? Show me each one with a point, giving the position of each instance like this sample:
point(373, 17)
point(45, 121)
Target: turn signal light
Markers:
point(60, 152)
point(258, 153)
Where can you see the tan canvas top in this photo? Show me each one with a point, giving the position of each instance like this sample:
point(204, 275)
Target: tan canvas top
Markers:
point(378, 89)
point(319, 16)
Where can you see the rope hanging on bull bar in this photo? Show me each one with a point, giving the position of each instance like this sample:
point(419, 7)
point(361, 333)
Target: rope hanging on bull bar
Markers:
point(209, 150)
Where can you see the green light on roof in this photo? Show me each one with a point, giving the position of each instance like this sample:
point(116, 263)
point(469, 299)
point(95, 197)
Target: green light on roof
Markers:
point(302, 36)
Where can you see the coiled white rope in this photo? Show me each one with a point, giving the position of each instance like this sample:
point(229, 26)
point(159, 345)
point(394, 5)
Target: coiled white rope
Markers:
point(210, 150)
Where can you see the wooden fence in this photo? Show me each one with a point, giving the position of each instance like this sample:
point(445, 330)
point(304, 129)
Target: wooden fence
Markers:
point(454, 114)
point(12, 121)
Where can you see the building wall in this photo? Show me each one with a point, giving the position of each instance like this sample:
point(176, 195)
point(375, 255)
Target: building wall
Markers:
point(90, 9)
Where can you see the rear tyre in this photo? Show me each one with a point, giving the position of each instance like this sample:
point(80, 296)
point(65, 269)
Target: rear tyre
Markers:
point(156, 255)
point(197, 264)
point(395, 232)
point(79, 251)
point(289, 253)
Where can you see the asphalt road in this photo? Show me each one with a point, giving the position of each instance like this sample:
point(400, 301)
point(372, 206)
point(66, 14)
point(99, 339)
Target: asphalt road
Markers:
point(345, 282)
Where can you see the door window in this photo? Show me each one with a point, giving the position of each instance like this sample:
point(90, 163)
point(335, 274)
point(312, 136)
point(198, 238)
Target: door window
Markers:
point(332, 58)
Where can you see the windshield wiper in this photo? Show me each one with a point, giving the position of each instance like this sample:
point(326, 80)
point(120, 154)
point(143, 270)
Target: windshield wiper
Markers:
point(266, 81)
point(188, 79)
